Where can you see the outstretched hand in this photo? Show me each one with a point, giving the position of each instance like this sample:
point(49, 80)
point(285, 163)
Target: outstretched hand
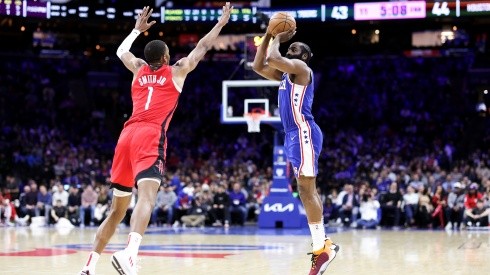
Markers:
point(225, 16)
point(286, 36)
point(142, 23)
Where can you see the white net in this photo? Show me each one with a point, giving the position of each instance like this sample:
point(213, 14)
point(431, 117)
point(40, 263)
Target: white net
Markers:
point(253, 121)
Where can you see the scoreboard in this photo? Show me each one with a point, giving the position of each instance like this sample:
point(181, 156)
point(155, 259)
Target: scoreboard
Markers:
point(359, 11)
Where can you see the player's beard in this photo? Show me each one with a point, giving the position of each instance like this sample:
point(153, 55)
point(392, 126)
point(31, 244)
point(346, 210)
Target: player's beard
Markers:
point(292, 56)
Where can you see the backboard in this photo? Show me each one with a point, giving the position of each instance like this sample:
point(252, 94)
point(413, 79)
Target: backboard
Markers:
point(239, 97)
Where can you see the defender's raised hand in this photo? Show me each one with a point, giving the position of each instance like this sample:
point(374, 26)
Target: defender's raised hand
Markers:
point(142, 23)
point(225, 16)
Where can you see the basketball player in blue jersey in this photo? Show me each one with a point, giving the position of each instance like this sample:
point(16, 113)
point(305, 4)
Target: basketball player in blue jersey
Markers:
point(303, 138)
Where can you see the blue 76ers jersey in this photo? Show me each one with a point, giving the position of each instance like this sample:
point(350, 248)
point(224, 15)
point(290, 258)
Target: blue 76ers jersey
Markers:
point(295, 102)
point(303, 138)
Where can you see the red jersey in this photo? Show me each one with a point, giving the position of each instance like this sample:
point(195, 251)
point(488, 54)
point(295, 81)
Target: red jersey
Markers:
point(470, 200)
point(154, 96)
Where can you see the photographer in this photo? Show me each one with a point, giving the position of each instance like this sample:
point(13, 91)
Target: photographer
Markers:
point(369, 211)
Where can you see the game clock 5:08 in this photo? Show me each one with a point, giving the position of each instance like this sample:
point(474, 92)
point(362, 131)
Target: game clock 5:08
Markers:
point(389, 10)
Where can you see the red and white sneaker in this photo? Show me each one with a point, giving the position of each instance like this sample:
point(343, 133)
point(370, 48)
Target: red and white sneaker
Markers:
point(124, 263)
point(320, 259)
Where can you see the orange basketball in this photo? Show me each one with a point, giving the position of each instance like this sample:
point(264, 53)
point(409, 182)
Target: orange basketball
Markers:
point(280, 22)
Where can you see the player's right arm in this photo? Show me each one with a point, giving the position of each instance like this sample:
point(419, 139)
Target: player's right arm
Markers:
point(130, 61)
point(259, 64)
point(291, 66)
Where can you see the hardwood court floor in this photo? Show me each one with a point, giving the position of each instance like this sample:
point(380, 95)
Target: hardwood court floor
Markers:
point(249, 250)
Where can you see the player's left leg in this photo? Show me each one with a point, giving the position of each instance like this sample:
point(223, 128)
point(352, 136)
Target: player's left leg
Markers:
point(149, 175)
point(125, 261)
point(324, 250)
point(303, 148)
point(122, 179)
point(119, 206)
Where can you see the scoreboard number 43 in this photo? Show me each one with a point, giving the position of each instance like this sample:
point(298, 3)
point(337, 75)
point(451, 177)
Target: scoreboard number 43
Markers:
point(340, 12)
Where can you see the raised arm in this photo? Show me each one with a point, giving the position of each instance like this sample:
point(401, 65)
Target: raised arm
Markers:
point(259, 64)
point(185, 65)
point(281, 63)
point(130, 61)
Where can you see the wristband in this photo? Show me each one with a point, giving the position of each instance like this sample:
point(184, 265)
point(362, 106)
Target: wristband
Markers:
point(128, 41)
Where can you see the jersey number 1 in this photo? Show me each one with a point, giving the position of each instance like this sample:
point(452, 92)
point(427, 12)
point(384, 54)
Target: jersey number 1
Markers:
point(150, 92)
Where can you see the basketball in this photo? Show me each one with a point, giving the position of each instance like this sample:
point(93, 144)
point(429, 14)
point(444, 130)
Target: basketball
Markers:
point(280, 22)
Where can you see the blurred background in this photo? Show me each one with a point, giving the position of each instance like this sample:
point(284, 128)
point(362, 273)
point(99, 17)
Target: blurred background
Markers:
point(401, 93)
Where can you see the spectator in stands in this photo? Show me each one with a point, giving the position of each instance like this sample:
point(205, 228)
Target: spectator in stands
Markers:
point(74, 204)
point(28, 202)
point(182, 204)
point(369, 217)
point(12, 185)
point(439, 201)
point(391, 203)
point(238, 204)
point(100, 213)
point(44, 203)
point(255, 200)
point(472, 196)
point(220, 211)
point(58, 211)
point(337, 198)
point(89, 201)
point(477, 216)
point(424, 213)
point(196, 214)
point(329, 211)
point(455, 209)
point(349, 210)
point(383, 185)
point(104, 197)
point(410, 205)
point(164, 205)
point(59, 193)
point(415, 181)
point(8, 214)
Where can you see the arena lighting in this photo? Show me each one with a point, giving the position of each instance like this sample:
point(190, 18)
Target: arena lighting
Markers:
point(446, 36)
point(482, 107)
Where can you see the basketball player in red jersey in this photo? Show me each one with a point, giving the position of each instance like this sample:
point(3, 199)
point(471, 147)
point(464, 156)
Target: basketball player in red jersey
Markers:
point(139, 158)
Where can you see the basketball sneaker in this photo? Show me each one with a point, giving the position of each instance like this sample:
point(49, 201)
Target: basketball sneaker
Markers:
point(124, 263)
point(320, 259)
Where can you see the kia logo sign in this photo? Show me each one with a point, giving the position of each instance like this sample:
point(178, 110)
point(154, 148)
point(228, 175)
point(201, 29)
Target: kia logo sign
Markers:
point(279, 207)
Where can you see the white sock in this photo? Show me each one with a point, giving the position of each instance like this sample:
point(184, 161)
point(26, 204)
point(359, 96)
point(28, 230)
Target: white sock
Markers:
point(318, 235)
point(134, 241)
point(93, 257)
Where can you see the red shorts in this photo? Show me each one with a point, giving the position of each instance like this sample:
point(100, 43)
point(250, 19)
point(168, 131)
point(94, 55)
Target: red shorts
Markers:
point(140, 153)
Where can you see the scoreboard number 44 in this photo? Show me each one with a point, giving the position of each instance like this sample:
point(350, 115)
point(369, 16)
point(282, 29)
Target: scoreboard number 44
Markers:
point(440, 8)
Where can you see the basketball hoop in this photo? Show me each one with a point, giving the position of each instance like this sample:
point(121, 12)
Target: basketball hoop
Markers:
point(253, 119)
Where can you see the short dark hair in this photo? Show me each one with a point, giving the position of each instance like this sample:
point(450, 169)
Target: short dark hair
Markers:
point(154, 51)
point(306, 49)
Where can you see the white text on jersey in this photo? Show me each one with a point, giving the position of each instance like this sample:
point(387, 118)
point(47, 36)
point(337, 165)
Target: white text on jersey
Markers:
point(282, 85)
point(151, 79)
